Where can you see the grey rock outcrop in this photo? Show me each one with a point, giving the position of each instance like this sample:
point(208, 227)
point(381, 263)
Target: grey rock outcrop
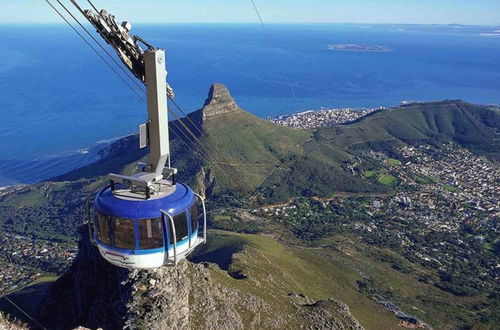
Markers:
point(94, 294)
point(219, 102)
point(6, 324)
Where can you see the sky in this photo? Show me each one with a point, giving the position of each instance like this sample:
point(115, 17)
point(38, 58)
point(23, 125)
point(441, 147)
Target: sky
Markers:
point(472, 12)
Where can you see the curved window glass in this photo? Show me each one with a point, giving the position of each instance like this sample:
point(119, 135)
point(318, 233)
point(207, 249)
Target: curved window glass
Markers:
point(123, 232)
point(150, 234)
point(181, 228)
point(103, 228)
point(194, 217)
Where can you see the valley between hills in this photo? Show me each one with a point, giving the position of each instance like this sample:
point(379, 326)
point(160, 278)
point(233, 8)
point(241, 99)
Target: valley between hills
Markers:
point(390, 221)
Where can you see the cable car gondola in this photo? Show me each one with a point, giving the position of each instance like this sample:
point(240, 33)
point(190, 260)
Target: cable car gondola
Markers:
point(147, 233)
point(147, 219)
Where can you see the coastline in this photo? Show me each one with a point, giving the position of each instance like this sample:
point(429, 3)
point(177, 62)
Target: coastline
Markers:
point(15, 173)
point(22, 173)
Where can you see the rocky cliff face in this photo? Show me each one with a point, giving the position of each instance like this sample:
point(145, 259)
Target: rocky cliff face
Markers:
point(219, 102)
point(95, 294)
point(6, 324)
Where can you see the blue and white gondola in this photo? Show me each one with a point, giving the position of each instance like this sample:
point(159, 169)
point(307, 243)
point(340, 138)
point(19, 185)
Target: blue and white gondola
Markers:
point(147, 233)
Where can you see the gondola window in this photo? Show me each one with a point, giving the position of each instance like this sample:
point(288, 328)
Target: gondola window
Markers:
point(150, 234)
point(103, 228)
point(124, 233)
point(194, 218)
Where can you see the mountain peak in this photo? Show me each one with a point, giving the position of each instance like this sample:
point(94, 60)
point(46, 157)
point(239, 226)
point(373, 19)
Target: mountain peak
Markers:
point(219, 102)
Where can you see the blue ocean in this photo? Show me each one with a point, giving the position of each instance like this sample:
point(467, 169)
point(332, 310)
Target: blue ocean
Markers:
point(60, 103)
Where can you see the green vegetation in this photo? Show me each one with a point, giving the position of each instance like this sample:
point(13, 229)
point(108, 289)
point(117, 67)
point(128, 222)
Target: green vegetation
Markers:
point(387, 179)
point(369, 174)
point(394, 162)
point(372, 240)
point(231, 221)
point(423, 179)
point(380, 176)
point(51, 211)
point(252, 147)
point(349, 270)
point(471, 126)
point(450, 188)
point(271, 271)
point(282, 163)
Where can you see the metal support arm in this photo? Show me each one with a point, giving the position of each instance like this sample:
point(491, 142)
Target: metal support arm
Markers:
point(204, 217)
point(172, 224)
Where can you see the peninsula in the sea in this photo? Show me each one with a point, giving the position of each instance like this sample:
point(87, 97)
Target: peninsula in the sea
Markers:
point(359, 48)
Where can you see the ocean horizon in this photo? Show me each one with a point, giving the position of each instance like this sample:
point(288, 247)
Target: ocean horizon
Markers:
point(59, 100)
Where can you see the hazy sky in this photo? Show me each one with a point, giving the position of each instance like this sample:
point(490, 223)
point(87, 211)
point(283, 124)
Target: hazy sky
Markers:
point(481, 12)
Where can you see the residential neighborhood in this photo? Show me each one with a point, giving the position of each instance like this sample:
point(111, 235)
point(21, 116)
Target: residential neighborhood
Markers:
point(21, 259)
point(444, 213)
point(321, 118)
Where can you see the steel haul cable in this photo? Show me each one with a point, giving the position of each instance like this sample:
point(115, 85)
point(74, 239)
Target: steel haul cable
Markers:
point(270, 41)
point(215, 162)
point(234, 172)
point(90, 2)
point(27, 315)
point(188, 143)
point(214, 148)
point(95, 51)
point(127, 73)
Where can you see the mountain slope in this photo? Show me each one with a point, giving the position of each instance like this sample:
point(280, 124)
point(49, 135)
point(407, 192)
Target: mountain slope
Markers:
point(274, 160)
point(242, 152)
point(471, 126)
point(253, 147)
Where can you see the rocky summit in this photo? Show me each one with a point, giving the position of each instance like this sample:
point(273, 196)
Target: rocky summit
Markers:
point(94, 294)
point(219, 102)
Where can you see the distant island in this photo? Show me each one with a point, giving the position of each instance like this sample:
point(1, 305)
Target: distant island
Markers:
point(359, 48)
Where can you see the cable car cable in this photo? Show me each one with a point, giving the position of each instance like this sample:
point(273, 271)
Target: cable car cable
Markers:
point(214, 148)
point(95, 51)
point(271, 43)
point(90, 2)
point(188, 142)
point(127, 73)
point(25, 313)
point(208, 142)
point(199, 141)
point(204, 153)
point(215, 163)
